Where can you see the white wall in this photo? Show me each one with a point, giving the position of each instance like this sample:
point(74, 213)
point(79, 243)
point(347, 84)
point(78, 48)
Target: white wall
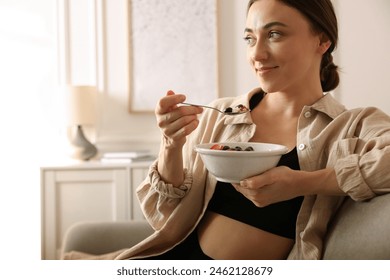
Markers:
point(27, 72)
point(363, 53)
point(236, 76)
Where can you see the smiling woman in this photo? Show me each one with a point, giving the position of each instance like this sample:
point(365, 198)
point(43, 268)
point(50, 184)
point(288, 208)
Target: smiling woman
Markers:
point(284, 212)
point(281, 37)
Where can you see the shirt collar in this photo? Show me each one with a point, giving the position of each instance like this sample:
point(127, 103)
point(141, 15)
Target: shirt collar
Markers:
point(329, 106)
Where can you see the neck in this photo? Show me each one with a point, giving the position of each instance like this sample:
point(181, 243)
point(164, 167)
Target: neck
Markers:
point(290, 103)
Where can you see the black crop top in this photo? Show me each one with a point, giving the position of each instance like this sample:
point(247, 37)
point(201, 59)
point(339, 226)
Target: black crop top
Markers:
point(278, 218)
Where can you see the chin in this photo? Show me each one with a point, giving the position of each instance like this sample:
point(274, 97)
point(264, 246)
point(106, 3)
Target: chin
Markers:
point(270, 87)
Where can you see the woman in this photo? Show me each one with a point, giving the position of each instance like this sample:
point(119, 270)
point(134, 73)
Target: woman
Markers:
point(334, 152)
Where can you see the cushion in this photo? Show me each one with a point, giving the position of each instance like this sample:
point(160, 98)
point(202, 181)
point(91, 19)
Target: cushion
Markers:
point(360, 230)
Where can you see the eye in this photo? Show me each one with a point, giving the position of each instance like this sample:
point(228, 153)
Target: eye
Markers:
point(274, 35)
point(249, 40)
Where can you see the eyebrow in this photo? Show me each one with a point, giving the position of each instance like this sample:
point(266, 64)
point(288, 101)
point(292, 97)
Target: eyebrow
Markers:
point(268, 26)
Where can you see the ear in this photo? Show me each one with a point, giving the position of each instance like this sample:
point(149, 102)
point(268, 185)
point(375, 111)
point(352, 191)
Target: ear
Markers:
point(324, 45)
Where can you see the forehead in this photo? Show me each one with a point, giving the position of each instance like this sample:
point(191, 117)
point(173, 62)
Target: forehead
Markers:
point(263, 12)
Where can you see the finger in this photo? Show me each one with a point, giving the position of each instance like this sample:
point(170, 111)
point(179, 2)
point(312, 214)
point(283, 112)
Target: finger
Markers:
point(184, 130)
point(250, 194)
point(178, 117)
point(174, 123)
point(258, 181)
point(183, 111)
point(169, 102)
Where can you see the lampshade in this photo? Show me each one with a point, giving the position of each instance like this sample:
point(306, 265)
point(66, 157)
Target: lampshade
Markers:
point(81, 105)
point(80, 110)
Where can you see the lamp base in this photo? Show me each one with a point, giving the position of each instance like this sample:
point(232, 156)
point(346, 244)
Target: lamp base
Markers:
point(82, 149)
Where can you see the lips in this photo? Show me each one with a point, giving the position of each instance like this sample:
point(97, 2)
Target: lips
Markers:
point(265, 69)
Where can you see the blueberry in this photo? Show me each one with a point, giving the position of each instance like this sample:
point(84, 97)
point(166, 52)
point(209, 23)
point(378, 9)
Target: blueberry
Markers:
point(228, 110)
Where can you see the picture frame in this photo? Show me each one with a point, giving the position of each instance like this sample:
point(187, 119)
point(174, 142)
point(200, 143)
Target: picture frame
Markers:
point(173, 46)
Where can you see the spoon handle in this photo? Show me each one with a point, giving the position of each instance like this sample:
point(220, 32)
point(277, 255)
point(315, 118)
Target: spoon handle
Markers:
point(204, 106)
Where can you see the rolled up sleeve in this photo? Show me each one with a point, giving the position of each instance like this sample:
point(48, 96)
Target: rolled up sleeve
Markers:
point(350, 178)
point(159, 199)
point(362, 163)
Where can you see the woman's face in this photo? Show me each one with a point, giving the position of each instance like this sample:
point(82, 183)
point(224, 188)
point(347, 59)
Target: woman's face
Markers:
point(282, 48)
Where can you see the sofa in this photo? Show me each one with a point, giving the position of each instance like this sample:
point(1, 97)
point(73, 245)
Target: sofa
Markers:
point(359, 230)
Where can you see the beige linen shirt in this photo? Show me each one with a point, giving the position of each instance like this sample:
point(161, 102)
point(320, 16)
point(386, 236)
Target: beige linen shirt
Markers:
point(356, 143)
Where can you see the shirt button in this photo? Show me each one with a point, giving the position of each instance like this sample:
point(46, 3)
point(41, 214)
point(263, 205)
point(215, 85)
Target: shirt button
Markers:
point(301, 147)
point(307, 114)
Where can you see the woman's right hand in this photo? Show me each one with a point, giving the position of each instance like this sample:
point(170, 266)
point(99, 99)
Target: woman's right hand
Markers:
point(176, 122)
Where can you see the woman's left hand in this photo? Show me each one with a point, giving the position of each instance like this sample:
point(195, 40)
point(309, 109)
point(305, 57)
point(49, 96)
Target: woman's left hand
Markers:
point(275, 185)
point(283, 183)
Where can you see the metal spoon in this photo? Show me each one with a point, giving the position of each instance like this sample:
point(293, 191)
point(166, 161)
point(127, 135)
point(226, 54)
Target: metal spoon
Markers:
point(228, 111)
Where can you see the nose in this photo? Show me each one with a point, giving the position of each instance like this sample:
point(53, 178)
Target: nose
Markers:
point(259, 51)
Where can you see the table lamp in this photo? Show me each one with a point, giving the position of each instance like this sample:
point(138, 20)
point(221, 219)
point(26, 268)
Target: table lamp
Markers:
point(81, 111)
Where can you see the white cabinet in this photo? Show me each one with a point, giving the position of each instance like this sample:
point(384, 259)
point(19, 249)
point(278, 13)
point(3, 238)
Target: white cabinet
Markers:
point(90, 191)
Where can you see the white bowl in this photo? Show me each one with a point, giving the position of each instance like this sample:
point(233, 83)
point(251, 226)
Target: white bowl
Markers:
point(234, 166)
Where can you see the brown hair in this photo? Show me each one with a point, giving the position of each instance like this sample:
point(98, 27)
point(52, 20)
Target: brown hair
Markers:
point(322, 18)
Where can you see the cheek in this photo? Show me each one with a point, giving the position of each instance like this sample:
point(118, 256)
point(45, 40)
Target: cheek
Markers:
point(287, 52)
point(249, 59)
point(302, 53)
point(293, 57)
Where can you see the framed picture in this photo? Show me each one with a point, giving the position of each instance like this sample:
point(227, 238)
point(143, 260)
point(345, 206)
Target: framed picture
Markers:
point(173, 46)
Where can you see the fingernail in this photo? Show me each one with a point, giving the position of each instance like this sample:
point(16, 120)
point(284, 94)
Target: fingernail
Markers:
point(244, 183)
point(182, 98)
